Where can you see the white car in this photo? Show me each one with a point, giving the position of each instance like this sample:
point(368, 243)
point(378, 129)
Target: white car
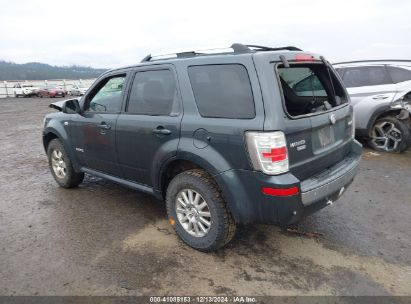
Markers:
point(24, 90)
point(78, 89)
point(380, 91)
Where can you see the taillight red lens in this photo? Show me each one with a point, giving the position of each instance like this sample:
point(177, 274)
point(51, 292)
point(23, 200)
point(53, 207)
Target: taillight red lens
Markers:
point(280, 191)
point(304, 57)
point(276, 154)
point(268, 151)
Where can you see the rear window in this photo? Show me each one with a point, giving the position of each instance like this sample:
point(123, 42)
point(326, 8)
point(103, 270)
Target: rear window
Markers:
point(399, 74)
point(365, 76)
point(310, 88)
point(222, 91)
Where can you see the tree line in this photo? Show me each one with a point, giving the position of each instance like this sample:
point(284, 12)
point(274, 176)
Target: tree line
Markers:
point(41, 71)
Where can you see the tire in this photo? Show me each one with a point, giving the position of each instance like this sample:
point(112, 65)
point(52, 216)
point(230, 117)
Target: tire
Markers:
point(64, 174)
point(389, 134)
point(222, 227)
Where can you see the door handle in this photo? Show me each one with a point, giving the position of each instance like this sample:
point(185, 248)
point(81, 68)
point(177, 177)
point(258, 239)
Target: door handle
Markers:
point(380, 97)
point(105, 126)
point(161, 130)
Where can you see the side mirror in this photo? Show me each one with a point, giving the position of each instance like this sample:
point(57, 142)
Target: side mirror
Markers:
point(71, 106)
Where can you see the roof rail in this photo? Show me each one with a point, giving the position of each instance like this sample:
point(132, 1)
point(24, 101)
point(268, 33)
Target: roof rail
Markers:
point(267, 48)
point(374, 60)
point(236, 48)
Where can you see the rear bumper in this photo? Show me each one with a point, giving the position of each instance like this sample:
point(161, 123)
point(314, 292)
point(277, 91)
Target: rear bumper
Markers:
point(242, 190)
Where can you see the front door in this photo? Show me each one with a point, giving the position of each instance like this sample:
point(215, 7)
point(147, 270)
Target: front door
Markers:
point(148, 130)
point(94, 131)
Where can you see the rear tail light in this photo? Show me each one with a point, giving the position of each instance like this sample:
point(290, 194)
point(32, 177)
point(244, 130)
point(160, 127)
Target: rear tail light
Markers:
point(268, 151)
point(351, 127)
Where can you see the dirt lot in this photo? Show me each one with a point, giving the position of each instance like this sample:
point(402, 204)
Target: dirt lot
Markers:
point(104, 239)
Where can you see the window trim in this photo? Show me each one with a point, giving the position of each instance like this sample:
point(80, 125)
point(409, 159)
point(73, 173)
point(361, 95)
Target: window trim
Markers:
point(277, 76)
point(87, 101)
point(124, 111)
point(215, 64)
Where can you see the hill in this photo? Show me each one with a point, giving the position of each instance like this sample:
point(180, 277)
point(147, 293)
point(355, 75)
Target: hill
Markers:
point(40, 71)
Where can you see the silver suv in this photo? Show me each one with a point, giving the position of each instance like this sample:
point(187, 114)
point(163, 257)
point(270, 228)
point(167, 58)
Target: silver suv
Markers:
point(380, 92)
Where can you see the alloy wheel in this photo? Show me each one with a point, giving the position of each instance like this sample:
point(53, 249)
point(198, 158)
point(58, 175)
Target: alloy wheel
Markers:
point(58, 164)
point(193, 212)
point(386, 136)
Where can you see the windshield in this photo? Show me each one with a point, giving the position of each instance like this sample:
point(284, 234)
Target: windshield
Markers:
point(310, 88)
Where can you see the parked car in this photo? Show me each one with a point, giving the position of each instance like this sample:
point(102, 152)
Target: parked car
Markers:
point(51, 91)
point(78, 89)
point(381, 95)
point(247, 148)
point(24, 90)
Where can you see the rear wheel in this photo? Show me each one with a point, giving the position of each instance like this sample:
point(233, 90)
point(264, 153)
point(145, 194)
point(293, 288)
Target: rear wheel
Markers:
point(61, 167)
point(198, 212)
point(389, 134)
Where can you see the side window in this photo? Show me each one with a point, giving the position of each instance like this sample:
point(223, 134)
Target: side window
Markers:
point(310, 85)
point(365, 76)
point(399, 74)
point(107, 96)
point(153, 93)
point(222, 91)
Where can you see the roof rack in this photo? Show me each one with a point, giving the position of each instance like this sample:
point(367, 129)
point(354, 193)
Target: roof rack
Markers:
point(235, 48)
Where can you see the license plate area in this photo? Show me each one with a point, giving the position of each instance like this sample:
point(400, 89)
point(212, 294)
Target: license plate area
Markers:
point(326, 136)
point(323, 138)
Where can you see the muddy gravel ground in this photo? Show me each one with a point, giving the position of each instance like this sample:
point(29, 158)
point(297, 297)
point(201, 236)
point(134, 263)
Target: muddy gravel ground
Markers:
point(104, 239)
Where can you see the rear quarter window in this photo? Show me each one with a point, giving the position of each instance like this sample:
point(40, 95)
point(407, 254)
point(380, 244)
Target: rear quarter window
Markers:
point(222, 91)
point(399, 74)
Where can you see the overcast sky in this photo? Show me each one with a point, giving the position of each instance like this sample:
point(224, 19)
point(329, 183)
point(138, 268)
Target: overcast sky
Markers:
point(119, 32)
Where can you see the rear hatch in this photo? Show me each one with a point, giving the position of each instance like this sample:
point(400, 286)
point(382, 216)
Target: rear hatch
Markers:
point(318, 121)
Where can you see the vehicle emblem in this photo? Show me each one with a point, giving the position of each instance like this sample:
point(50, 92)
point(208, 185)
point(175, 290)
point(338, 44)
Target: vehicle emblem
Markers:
point(333, 119)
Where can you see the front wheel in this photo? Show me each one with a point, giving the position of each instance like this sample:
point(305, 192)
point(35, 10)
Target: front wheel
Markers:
point(389, 134)
point(197, 211)
point(61, 167)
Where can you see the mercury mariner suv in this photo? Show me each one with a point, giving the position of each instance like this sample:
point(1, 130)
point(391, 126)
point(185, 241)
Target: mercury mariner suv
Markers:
point(225, 137)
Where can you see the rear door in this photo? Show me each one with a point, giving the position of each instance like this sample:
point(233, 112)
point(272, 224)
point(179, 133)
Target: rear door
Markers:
point(318, 124)
point(148, 129)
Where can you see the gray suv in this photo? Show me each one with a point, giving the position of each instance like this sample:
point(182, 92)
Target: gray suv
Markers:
point(380, 92)
point(223, 136)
